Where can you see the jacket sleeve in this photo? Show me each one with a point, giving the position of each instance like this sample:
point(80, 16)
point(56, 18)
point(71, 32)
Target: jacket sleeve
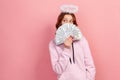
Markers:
point(59, 59)
point(89, 63)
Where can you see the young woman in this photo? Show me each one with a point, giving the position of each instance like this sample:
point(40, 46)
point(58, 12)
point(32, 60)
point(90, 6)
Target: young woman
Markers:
point(71, 60)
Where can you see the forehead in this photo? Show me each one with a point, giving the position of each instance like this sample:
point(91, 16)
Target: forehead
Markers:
point(67, 16)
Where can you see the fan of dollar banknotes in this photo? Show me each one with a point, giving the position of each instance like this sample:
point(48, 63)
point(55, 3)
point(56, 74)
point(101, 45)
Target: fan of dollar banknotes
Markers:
point(66, 30)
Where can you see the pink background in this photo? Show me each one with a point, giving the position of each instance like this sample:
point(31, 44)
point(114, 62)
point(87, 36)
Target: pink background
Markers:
point(27, 26)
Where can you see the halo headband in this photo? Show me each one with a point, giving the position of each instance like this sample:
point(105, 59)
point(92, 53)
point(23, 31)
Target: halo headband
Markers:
point(69, 8)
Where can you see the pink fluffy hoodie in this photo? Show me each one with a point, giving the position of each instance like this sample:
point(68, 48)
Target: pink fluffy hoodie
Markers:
point(81, 68)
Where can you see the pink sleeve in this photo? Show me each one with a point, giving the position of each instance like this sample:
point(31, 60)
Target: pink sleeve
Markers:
point(59, 62)
point(90, 67)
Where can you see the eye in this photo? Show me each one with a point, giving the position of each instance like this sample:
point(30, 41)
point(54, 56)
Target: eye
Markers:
point(64, 20)
point(71, 21)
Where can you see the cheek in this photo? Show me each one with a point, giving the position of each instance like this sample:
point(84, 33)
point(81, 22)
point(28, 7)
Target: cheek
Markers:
point(62, 22)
